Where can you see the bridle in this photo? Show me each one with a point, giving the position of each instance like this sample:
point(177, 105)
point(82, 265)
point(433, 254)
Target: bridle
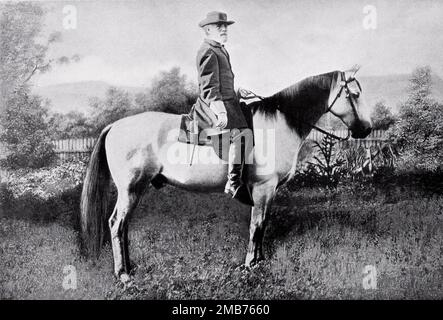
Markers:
point(246, 95)
point(343, 86)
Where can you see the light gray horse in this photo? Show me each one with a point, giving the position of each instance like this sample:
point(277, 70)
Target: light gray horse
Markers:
point(142, 150)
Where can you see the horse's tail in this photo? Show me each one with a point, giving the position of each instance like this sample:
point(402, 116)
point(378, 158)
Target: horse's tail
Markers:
point(94, 199)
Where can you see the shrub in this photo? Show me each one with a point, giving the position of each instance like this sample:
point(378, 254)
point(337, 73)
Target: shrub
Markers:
point(353, 157)
point(325, 171)
point(328, 165)
point(169, 92)
point(418, 134)
point(347, 163)
point(44, 194)
point(71, 125)
point(358, 159)
point(382, 117)
point(116, 105)
point(25, 132)
point(428, 182)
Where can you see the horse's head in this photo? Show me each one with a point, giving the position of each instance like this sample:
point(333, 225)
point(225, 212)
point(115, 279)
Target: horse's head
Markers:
point(345, 102)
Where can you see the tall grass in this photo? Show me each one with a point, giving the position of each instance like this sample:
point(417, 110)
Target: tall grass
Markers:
point(317, 244)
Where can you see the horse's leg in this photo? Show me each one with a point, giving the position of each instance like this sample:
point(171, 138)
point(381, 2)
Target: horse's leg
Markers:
point(126, 204)
point(262, 194)
point(126, 261)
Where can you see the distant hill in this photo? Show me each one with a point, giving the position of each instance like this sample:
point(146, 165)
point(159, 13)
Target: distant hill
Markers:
point(74, 96)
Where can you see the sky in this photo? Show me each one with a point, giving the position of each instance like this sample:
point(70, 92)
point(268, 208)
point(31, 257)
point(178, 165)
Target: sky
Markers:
point(272, 45)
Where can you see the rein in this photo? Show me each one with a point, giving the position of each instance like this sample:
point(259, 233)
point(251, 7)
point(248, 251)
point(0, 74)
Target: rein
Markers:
point(247, 95)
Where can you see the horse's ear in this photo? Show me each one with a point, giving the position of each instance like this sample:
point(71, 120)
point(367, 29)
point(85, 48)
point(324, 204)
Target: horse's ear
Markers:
point(352, 71)
point(355, 69)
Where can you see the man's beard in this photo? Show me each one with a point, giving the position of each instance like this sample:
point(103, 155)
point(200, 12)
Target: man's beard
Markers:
point(223, 38)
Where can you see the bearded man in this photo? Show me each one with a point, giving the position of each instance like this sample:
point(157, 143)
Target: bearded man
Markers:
point(216, 92)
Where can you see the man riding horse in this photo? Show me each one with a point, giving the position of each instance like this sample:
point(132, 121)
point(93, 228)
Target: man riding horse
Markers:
point(217, 95)
point(135, 155)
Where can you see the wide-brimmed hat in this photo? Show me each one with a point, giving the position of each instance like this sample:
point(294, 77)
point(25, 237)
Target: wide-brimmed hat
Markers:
point(215, 17)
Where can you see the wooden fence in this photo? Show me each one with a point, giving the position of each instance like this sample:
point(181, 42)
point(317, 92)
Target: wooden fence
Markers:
point(76, 148)
point(376, 138)
point(73, 148)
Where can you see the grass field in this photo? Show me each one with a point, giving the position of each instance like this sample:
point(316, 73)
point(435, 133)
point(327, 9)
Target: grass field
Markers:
point(188, 245)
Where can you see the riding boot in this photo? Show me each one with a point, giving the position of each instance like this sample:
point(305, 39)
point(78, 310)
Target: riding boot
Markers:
point(235, 185)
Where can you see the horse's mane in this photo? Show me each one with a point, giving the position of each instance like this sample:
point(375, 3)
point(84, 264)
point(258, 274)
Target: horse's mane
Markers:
point(294, 101)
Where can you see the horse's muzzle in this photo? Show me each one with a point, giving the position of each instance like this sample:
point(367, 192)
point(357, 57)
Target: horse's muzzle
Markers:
point(361, 131)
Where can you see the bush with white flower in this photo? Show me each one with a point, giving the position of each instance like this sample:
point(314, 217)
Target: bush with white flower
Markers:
point(43, 194)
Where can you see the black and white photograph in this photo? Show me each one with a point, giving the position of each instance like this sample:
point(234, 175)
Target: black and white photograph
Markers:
point(221, 150)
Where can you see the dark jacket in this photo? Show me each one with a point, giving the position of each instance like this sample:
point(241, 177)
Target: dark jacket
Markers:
point(216, 82)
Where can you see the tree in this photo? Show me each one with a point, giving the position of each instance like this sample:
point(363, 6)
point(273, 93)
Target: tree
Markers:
point(23, 50)
point(117, 104)
point(169, 92)
point(419, 131)
point(382, 117)
point(23, 126)
point(71, 125)
point(420, 84)
point(25, 132)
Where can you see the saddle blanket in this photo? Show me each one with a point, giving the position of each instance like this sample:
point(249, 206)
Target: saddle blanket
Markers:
point(207, 136)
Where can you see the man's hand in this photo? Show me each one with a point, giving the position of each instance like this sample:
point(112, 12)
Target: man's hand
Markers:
point(222, 120)
point(218, 107)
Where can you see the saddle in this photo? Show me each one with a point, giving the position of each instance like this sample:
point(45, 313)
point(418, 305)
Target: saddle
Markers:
point(196, 128)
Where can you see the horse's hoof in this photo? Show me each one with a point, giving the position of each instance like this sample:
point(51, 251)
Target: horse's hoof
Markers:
point(256, 264)
point(125, 279)
point(243, 268)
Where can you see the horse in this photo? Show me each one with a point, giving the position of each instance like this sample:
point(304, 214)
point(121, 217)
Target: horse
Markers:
point(142, 151)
